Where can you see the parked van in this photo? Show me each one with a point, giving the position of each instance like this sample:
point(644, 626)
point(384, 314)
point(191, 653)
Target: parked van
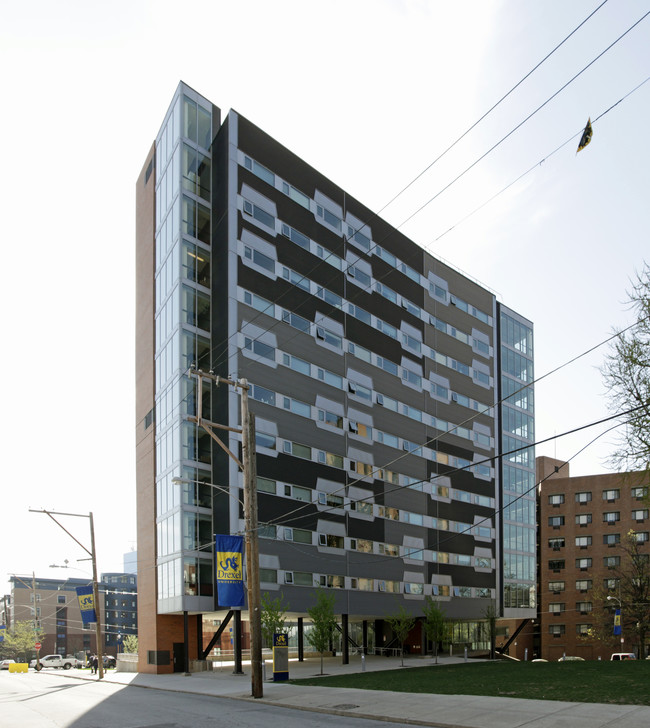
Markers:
point(623, 656)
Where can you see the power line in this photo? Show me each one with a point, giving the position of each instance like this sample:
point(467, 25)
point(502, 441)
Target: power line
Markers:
point(429, 166)
point(535, 166)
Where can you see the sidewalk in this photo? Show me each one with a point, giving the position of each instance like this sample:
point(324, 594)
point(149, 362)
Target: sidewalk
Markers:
point(445, 711)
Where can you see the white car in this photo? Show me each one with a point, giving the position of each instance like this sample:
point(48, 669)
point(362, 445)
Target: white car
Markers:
point(57, 661)
point(4, 664)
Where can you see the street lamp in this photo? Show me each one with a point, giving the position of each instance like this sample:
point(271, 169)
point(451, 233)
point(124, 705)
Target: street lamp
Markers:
point(93, 557)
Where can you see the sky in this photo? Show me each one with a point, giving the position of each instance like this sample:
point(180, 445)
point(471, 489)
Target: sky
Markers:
point(370, 93)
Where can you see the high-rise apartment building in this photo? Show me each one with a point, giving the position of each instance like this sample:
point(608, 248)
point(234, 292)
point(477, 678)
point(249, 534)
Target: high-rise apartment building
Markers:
point(586, 527)
point(376, 376)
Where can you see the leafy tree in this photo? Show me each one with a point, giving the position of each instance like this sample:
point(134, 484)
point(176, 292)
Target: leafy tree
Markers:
point(323, 623)
point(401, 623)
point(273, 617)
point(130, 644)
point(21, 638)
point(434, 623)
point(632, 590)
point(626, 373)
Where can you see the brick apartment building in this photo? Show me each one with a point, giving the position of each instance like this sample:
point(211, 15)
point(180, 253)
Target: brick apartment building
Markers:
point(582, 523)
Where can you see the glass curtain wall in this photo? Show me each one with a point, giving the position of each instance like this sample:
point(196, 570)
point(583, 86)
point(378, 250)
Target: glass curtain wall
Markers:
point(182, 330)
point(518, 463)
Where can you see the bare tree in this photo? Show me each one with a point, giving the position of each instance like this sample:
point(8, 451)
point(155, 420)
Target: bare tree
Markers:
point(626, 373)
point(630, 590)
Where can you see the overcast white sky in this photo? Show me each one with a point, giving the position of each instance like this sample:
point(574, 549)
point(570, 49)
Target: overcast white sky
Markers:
point(369, 92)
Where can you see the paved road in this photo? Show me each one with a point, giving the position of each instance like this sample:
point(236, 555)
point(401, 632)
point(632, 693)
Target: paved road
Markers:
point(53, 700)
point(220, 698)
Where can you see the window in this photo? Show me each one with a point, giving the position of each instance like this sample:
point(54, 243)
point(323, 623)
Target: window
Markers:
point(387, 292)
point(611, 584)
point(584, 563)
point(297, 450)
point(611, 516)
point(556, 521)
point(260, 171)
point(296, 195)
point(612, 494)
point(298, 322)
point(257, 213)
point(264, 440)
point(584, 607)
point(583, 519)
point(60, 598)
point(556, 500)
point(583, 628)
point(413, 588)
point(295, 491)
point(556, 564)
point(556, 586)
point(640, 492)
point(583, 584)
point(583, 541)
point(556, 543)
point(269, 576)
point(331, 419)
point(261, 394)
point(611, 562)
point(266, 485)
point(556, 629)
point(298, 365)
point(641, 536)
point(331, 541)
point(331, 500)
point(556, 607)
point(640, 514)
point(329, 217)
point(259, 348)
point(583, 497)
point(301, 535)
point(263, 261)
point(329, 337)
point(297, 279)
point(611, 539)
point(388, 549)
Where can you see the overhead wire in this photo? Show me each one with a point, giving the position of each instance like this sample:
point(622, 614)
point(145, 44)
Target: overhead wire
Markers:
point(220, 360)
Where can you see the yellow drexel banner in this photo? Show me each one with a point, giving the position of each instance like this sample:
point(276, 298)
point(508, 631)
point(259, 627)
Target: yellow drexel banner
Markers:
point(86, 604)
point(229, 568)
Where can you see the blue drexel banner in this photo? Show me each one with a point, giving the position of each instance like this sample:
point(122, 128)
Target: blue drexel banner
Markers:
point(617, 622)
point(229, 568)
point(86, 604)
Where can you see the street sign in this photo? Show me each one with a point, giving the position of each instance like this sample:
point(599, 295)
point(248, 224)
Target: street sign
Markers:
point(38, 645)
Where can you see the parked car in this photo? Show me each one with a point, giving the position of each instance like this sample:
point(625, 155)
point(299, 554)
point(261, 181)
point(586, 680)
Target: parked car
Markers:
point(571, 658)
point(58, 661)
point(109, 660)
point(623, 656)
point(4, 664)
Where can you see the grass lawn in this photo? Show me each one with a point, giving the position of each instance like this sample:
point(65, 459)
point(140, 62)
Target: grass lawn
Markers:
point(623, 683)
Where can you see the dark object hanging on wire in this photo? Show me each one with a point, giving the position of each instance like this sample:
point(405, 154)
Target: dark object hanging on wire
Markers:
point(586, 136)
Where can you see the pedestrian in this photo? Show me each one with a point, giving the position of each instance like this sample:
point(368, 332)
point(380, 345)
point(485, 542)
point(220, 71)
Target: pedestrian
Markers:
point(94, 662)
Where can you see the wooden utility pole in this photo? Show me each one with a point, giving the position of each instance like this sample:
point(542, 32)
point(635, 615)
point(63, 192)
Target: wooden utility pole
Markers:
point(252, 541)
point(248, 467)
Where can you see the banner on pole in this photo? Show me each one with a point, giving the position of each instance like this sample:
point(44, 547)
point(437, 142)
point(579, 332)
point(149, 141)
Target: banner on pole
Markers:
point(86, 604)
point(228, 562)
point(617, 622)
